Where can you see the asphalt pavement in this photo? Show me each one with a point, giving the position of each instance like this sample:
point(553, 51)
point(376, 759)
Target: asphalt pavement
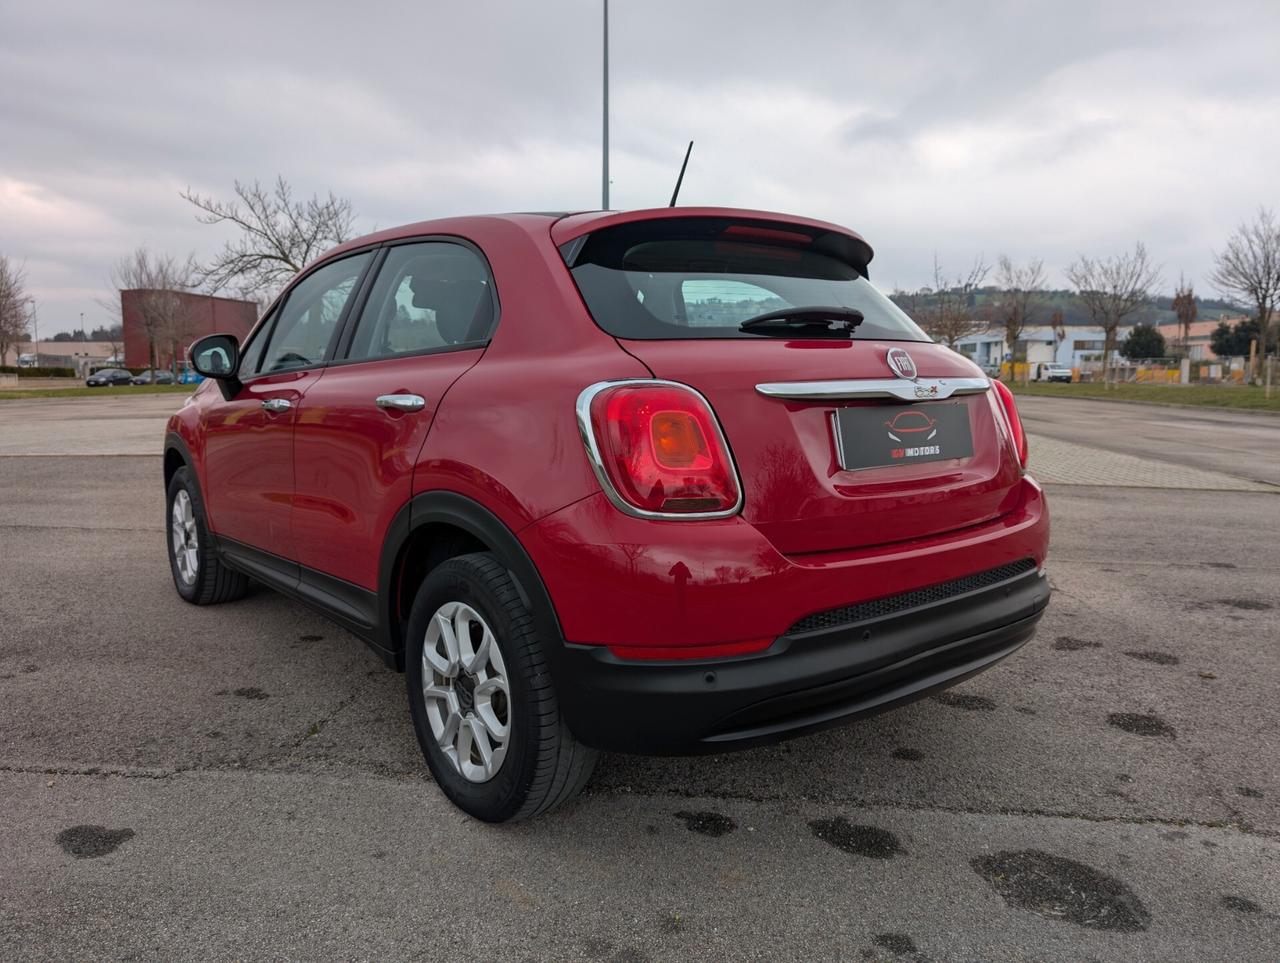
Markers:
point(242, 782)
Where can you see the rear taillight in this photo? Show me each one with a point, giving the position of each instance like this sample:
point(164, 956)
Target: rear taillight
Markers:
point(1010, 409)
point(658, 450)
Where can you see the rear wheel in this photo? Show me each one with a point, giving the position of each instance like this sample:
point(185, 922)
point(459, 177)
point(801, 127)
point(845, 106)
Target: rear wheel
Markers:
point(481, 697)
point(198, 574)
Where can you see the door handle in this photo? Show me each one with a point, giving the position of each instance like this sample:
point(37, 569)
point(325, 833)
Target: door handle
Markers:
point(401, 402)
point(277, 404)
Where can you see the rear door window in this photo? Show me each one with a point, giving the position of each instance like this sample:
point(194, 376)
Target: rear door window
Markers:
point(428, 296)
point(703, 277)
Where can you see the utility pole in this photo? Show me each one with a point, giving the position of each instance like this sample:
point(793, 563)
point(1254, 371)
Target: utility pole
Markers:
point(604, 179)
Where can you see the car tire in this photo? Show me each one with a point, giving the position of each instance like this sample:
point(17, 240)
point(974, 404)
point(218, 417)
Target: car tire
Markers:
point(541, 764)
point(200, 577)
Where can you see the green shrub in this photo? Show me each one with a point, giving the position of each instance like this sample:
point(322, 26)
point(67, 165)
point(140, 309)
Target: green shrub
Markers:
point(38, 372)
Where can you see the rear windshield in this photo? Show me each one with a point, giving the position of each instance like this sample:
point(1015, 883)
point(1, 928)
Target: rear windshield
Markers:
point(702, 277)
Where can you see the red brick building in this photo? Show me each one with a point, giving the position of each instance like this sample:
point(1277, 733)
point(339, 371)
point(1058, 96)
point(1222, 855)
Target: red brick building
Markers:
point(201, 314)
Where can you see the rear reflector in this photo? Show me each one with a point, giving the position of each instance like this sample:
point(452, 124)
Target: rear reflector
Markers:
point(1010, 409)
point(658, 450)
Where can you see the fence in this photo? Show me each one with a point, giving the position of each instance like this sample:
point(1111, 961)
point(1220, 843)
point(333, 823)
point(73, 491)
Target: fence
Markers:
point(1151, 371)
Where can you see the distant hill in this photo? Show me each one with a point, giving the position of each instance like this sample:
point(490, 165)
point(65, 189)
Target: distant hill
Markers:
point(1074, 313)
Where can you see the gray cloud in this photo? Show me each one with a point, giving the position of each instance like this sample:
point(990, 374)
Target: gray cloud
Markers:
point(1033, 129)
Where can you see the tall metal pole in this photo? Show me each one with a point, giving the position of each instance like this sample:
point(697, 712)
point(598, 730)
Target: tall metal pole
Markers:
point(604, 179)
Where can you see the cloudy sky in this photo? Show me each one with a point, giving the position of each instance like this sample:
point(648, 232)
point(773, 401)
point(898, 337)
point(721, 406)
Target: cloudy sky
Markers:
point(1022, 128)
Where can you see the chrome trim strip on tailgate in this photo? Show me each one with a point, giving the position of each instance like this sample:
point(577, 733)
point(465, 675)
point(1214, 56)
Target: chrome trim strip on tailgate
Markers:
point(922, 389)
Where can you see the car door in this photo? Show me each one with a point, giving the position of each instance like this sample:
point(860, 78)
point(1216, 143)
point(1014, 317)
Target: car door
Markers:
point(249, 435)
point(426, 320)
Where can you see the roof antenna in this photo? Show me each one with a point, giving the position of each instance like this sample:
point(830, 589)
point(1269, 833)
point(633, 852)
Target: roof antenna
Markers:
point(680, 179)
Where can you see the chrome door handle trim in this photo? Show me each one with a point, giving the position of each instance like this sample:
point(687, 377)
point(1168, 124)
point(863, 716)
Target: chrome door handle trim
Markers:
point(401, 402)
point(277, 404)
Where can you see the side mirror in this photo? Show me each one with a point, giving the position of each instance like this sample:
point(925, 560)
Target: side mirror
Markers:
point(216, 356)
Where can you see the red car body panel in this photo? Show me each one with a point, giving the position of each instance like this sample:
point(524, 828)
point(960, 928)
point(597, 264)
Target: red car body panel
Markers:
point(617, 581)
point(249, 456)
point(797, 494)
point(354, 463)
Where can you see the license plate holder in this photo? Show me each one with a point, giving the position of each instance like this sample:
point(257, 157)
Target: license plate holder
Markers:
point(879, 436)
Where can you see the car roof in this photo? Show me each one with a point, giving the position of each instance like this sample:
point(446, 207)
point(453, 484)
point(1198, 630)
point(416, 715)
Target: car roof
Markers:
point(566, 225)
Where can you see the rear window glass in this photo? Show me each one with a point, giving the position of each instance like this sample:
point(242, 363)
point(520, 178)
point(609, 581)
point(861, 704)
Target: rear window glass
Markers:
point(703, 277)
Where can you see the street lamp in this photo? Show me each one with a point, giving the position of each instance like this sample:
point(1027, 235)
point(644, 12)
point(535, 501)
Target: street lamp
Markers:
point(604, 152)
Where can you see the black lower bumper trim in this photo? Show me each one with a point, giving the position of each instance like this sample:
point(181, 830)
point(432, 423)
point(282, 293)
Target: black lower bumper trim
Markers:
point(801, 683)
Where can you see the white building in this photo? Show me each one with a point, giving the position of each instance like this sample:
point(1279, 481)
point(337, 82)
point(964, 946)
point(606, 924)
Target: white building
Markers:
point(1040, 345)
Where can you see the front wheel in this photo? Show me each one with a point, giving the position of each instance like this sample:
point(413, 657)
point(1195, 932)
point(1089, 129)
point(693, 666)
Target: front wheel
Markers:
point(198, 574)
point(481, 696)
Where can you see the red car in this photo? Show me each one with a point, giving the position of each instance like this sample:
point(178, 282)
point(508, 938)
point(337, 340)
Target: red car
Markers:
point(582, 478)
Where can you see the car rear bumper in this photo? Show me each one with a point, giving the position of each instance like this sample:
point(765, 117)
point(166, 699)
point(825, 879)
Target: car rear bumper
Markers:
point(806, 680)
point(622, 586)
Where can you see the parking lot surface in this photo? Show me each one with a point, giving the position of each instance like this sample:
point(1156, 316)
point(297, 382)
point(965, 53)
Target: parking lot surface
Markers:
point(242, 781)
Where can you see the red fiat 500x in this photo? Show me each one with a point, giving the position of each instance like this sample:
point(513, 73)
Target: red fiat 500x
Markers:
point(649, 482)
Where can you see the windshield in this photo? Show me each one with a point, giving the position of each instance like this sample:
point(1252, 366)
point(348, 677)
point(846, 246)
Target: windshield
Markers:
point(703, 277)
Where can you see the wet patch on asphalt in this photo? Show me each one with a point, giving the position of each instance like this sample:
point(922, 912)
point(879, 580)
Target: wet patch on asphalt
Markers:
point(1247, 605)
point(899, 944)
point(962, 700)
point(707, 823)
point(1062, 889)
point(1142, 724)
point(908, 755)
point(90, 842)
point(1217, 565)
point(1250, 792)
point(1152, 655)
point(1068, 643)
point(252, 692)
point(1239, 904)
point(869, 841)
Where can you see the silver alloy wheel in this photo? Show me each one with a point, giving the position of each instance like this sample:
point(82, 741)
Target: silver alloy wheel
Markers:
point(468, 697)
point(186, 542)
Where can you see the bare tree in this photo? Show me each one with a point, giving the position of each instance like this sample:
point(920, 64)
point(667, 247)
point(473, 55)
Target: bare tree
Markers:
point(1185, 308)
point(279, 236)
point(1249, 268)
point(947, 311)
point(160, 284)
point(1021, 295)
point(1112, 289)
point(1058, 324)
point(15, 306)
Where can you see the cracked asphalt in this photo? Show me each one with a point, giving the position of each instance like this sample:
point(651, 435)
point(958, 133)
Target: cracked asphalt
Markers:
point(241, 782)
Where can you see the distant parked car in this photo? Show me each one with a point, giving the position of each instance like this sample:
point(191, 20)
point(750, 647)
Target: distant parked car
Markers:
point(1054, 372)
point(161, 377)
point(108, 378)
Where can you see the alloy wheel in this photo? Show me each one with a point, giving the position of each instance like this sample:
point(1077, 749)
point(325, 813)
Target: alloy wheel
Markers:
point(466, 690)
point(186, 541)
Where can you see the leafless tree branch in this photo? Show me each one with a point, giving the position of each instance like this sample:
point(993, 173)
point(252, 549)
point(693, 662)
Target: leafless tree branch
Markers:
point(1021, 295)
point(947, 311)
point(1113, 288)
point(1185, 308)
point(278, 237)
point(1248, 268)
point(15, 305)
point(162, 283)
